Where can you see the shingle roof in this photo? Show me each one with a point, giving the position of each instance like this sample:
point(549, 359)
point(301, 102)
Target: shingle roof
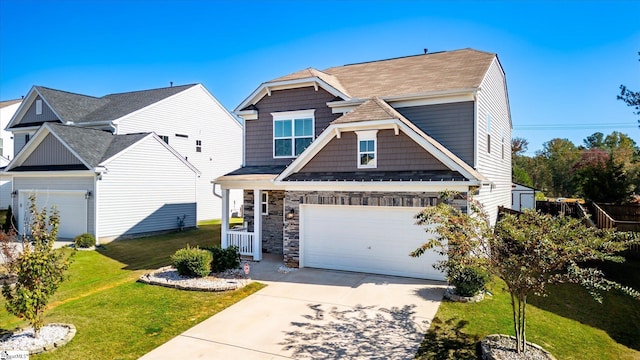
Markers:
point(372, 109)
point(6, 103)
point(311, 72)
point(450, 70)
point(82, 108)
point(94, 146)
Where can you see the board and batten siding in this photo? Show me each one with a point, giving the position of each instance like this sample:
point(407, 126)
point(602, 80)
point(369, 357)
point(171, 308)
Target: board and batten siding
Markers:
point(31, 117)
point(195, 113)
point(20, 140)
point(145, 190)
point(394, 152)
point(43, 183)
point(259, 132)
point(450, 124)
point(493, 100)
point(51, 152)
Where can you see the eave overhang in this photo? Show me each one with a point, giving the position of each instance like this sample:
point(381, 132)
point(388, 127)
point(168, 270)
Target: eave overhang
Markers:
point(265, 89)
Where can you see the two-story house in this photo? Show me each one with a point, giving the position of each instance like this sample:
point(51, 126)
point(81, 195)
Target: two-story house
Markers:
point(140, 194)
point(338, 162)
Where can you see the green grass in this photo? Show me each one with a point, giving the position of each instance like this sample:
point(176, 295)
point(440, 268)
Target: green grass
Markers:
point(118, 318)
point(568, 323)
point(232, 221)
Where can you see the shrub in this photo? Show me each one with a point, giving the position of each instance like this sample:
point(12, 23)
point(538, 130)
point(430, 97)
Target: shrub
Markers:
point(469, 281)
point(9, 221)
point(224, 259)
point(194, 262)
point(85, 240)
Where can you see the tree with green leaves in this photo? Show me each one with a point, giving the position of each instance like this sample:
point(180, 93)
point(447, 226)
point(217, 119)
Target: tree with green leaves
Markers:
point(560, 156)
point(39, 269)
point(631, 98)
point(528, 252)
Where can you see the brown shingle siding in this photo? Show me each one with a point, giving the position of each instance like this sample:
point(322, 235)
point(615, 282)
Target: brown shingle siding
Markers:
point(259, 133)
point(395, 153)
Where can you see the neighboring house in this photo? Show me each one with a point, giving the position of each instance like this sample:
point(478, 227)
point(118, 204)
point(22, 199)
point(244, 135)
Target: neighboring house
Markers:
point(522, 197)
point(7, 109)
point(346, 157)
point(187, 117)
point(112, 186)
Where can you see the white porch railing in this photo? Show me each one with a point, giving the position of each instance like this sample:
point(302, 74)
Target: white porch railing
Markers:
point(244, 240)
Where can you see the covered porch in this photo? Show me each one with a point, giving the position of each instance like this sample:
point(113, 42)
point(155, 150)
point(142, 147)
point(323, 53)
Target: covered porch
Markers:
point(263, 215)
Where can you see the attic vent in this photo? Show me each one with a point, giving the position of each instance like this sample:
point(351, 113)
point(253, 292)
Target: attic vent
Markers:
point(38, 107)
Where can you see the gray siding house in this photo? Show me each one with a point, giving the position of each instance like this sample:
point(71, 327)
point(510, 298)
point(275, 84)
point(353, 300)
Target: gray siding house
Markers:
point(188, 118)
point(112, 186)
point(338, 162)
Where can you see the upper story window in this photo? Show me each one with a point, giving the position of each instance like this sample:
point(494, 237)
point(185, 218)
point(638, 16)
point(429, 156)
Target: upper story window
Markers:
point(367, 149)
point(198, 145)
point(38, 107)
point(164, 138)
point(293, 131)
point(27, 137)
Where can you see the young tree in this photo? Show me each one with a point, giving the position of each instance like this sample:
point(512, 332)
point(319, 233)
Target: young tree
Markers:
point(458, 234)
point(528, 252)
point(40, 269)
point(533, 250)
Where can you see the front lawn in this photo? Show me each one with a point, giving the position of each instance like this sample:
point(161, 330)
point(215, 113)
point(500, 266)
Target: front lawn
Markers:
point(568, 323)
point(118, 318)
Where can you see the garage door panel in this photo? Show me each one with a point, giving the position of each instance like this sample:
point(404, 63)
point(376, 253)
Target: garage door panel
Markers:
point(366, 239)
point(71, 206)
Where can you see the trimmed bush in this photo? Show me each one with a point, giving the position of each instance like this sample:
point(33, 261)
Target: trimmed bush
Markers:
point(84, 241)
point(469, 281)
point(224, 259)
point(194, 262)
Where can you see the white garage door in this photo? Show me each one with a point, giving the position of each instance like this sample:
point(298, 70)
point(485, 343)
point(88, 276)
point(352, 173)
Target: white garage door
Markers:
point(71, 205)
point(369, 239)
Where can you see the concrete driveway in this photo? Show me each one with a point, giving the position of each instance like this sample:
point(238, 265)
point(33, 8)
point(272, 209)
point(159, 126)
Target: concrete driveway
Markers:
point(315, 314)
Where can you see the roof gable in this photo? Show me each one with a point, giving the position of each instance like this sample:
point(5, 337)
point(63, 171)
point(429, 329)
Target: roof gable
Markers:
point(52, 152)
point(72, 108)
point(377, 114)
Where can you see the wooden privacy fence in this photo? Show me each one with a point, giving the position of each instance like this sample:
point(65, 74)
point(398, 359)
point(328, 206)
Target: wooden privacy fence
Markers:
point(604, 220)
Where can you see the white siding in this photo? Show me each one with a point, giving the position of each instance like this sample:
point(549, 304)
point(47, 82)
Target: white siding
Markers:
point(6, 113)
point(493, 100)
point(145, 189)
point(5, 191)
point(45, 182)
point(197, 114)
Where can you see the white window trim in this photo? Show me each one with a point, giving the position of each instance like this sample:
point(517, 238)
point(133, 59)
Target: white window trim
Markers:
point(264, 203)
point(39, 107)
point(292, 115)
point(366, 136)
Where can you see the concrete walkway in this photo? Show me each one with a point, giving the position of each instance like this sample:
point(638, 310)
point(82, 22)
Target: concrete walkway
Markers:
point(314, 314)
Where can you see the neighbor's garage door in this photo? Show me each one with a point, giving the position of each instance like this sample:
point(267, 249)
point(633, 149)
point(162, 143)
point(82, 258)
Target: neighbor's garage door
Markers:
point(369, 239)
point(71, 205)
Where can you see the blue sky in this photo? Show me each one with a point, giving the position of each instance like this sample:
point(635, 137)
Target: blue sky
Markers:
point(564, 60)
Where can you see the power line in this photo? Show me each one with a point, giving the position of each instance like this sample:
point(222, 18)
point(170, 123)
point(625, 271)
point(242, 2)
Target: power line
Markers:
point(575, 126)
